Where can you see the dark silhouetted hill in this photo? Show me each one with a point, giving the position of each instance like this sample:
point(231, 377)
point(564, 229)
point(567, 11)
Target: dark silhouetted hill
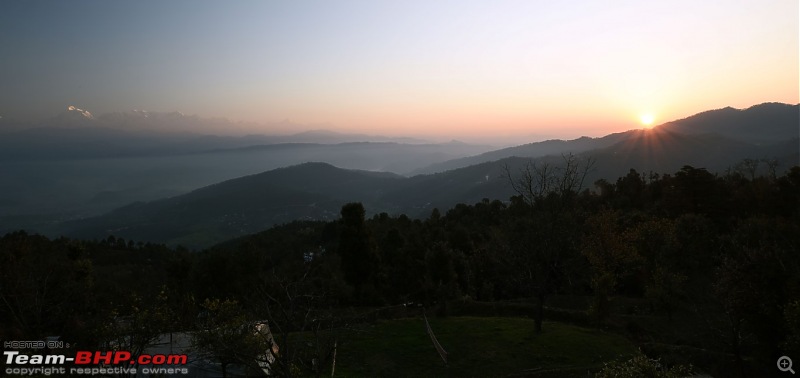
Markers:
point(764, 123)
point(241, 206)
point(768, 122)
point(530, 150)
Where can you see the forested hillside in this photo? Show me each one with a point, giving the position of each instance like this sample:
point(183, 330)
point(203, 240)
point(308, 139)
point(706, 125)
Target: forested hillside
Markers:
point(693, 268)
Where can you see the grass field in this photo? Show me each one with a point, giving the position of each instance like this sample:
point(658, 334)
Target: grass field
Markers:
point(477, 347)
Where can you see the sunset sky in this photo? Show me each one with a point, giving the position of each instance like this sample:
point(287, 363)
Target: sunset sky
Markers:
point(440, 69)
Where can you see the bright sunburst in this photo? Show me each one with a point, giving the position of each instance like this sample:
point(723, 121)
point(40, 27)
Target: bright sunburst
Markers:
point(647, 119)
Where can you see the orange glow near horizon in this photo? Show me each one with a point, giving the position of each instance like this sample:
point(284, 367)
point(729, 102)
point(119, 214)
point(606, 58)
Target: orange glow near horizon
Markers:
point(509, 71)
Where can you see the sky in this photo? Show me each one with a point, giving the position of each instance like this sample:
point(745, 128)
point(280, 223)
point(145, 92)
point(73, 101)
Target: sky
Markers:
point(470, 70)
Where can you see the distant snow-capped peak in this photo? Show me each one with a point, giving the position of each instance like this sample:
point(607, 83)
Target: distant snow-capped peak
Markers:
point(143, 113)
point(84, 113)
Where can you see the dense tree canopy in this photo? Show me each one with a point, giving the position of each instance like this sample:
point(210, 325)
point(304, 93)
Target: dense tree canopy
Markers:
point(716, 251)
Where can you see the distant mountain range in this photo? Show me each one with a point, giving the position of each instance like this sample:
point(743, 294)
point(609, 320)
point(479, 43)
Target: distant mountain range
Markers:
point(533, 150)
point(764, 123)
point(317, 190)
point(44, 189)
point(768, 122)
point(252, 203)
point(182, 126)
point(77, 134)
point(78, 164)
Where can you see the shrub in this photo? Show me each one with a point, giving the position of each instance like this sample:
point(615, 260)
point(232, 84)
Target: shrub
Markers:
point(643, 367)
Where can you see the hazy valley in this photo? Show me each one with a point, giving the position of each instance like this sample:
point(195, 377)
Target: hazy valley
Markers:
point(173, 188)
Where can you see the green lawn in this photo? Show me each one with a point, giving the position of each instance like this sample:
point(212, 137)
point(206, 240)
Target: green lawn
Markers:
point(476, 347)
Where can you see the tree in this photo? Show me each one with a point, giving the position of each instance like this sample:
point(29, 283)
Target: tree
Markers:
point(44, 285)
point(665, 262)
point(545, 225)
point(792, 318)
point(665, 289)
point(298, 299)
point(356, 248)
point(748, 168)
point(539, 179)
point(611, 256)
point(403, 264)
point(226, 334)
point(755, 282)
point(631, 188)
point(138, 324)
point(693, 190)
point(441, 274)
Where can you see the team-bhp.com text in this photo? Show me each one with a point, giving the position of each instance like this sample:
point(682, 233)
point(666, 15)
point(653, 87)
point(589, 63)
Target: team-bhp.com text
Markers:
point(119, 362)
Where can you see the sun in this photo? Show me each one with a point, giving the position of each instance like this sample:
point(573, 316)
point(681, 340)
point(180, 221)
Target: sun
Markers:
point(647, 119)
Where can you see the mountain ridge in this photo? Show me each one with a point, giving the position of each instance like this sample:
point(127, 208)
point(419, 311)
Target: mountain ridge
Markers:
point(731, 122)
point(765, 122)
point(317, 190)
